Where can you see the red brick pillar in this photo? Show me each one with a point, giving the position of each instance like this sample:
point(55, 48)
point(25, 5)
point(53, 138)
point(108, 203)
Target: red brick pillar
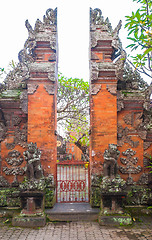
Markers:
point(42, 90)
point(103, 86)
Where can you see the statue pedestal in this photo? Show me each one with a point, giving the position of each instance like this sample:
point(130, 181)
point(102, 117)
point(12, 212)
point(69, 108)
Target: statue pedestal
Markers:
point(112, 196)
point(112, 210)
point(32, 214)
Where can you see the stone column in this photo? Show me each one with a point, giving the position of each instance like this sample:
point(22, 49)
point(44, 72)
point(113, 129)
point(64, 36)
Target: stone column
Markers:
point(103, 87)
point(42, 89)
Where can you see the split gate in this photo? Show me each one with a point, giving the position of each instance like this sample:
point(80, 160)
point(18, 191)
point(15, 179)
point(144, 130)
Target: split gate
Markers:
point(72, 182)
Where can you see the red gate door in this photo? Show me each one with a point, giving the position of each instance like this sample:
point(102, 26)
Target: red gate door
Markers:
point(72, 182)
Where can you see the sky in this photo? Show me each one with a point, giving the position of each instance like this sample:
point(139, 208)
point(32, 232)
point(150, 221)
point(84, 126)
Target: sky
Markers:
point(73, 29)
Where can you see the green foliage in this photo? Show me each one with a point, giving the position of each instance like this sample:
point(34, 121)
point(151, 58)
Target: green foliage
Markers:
point(139, 26)
point(150, 166)
point(73, 108)
point(138, 195)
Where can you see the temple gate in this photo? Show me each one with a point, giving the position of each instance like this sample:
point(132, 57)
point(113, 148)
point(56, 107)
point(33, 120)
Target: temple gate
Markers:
point(120, 113)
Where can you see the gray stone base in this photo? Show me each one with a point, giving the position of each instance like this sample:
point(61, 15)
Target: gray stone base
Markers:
point(29, 221)
point(114, 220)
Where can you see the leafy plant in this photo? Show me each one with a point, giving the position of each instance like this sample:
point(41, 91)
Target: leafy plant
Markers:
point(139, 26)
point(73, 108)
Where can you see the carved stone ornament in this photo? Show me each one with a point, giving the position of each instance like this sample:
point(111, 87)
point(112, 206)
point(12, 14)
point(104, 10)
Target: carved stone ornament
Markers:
point(110, 166)
point(32, 157)
point(13, 171)
point(143, 180)
point(98, 36)
point(146, 162)
point(17, 76)
point(128, 119)
point(120, 105)
point(123, 137)
point(129, 181)
point(95, 88)
point(14, 158)
point(120, 64)
point(44, 67)
point(51, 77)
point(2, 131)
point(96, 17)
point(146, 145)
point(130, 163)
point(142, 134)
point(32, 88)
point(50, 89)
point(20, 137)
point(24, 101)
point(51, 17)
point(16, 120)
point(116, 41)
point(136, 120)
point(3, 182)
point(112, 89)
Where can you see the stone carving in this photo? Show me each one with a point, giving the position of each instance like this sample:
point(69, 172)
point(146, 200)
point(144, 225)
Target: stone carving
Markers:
point(50, 89)
point(101, 66)
point(24, 101)
point(143, 180)
point(13, 171)
point(14, 158)
point(15, 182)
point(131, 79)
point(3, 182)
point(112, 89)
point(136, 121)
point(112, 186)
point(146, 162)
point(120, 105)
point(16, 120)
point(50, 17)
point(51, 76)
point(95, 88)
point(17, 76)
point(117, 45)
point(120, 62)
point(128, 119)
point(95, 180)
point(142, 134)
point(110, 166)
point(2, 126)
point(129, 181)
point(124, 138)
point(146, 145)
point(10, 145)
point(32, 88)
point(2, 131)
point(96, 17)
point(32, 156)
point(20, 137)
point(130, 163)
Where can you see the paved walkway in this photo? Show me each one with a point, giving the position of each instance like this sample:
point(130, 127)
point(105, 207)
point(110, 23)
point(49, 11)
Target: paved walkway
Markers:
point(78, 231)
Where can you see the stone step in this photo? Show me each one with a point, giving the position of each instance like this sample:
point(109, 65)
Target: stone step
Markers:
point(72, 212)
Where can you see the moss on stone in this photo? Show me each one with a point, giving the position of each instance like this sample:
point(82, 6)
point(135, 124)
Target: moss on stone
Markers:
point(10, 94)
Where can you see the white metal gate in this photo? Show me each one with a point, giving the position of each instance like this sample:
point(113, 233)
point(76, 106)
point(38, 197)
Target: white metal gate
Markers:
point(73, 182)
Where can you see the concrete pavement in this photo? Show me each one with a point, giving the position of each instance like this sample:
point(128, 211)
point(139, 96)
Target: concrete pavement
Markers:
point(78, 231)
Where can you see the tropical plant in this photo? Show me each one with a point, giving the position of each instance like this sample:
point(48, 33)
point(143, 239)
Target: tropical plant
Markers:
point(73, 108)
point(139, 26)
